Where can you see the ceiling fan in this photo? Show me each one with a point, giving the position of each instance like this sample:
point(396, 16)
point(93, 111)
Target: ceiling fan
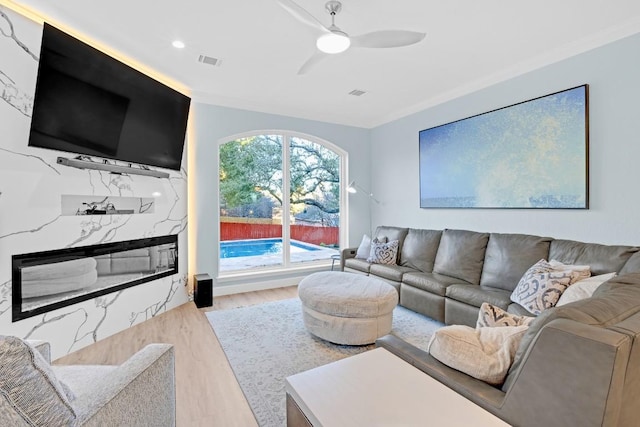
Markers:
point(333, 40)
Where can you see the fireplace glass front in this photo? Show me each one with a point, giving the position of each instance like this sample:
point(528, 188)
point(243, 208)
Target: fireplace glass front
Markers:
point(45, 281)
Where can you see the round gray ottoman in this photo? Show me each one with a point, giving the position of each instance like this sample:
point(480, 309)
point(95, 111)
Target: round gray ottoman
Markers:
point(347, 308)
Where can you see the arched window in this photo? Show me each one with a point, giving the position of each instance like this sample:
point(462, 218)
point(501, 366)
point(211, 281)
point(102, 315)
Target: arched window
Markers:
point(280, 201)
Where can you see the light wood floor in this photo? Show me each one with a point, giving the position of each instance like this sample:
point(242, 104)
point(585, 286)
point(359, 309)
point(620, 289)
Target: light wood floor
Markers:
point(207, 393)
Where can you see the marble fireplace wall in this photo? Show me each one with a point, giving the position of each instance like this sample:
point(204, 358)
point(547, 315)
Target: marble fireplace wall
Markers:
point(32, 186)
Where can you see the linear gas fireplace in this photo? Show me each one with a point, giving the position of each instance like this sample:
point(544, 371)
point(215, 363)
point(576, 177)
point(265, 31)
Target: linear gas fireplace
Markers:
point(45, 281)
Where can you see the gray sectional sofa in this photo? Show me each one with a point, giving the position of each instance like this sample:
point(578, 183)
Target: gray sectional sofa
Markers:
point(448, 274)
point(577, 365)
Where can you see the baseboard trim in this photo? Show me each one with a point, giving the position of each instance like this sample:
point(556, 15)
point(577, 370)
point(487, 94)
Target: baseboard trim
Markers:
point(221, 290)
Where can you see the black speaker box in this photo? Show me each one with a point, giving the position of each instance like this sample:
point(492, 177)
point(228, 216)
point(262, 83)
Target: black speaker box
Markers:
point(202, 290)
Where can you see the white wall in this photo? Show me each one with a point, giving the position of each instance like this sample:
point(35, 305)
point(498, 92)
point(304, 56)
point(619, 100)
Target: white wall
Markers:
point(31, 189)
point(614, 121)
point(214, 123)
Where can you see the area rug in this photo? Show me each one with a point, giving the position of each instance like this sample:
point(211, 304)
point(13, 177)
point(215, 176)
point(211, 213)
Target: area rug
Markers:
point(267, 343)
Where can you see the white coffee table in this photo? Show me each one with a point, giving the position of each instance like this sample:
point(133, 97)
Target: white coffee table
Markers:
point(377, 388)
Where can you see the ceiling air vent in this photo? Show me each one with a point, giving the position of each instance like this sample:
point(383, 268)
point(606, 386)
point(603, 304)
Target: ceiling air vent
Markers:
point(215, 62)
point(357, 92)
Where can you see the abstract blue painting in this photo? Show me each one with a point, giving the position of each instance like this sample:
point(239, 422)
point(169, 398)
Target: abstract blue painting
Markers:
point(529, 155)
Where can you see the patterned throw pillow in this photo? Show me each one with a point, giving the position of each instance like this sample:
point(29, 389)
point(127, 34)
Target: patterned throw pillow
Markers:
point(28, 384)
point(491, 316)
point(578, 272)
point(541, 286)
point(383, 253)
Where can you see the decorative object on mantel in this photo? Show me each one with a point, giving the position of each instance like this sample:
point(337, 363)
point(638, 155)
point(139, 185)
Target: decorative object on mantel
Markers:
point(534, 154)
point(106, 205)
point(105, 209)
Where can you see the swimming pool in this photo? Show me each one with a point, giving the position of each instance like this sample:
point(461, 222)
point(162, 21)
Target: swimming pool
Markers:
point(257, 247)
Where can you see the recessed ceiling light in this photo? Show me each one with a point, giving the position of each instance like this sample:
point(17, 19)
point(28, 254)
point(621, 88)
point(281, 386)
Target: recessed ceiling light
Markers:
point(178, 44)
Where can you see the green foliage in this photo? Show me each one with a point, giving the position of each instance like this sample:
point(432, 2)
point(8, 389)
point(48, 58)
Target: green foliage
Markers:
point(251, 168)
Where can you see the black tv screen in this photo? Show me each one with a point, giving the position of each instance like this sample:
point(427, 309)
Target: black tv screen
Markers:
point(87, 102)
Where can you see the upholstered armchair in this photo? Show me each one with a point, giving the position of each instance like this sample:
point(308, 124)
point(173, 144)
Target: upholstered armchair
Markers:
point(139, 392)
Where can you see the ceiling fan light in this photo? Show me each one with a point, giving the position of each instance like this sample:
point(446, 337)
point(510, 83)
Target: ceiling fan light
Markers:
point(333, 42)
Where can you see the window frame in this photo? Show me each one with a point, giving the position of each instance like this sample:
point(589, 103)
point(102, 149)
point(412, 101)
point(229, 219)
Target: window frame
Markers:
point(287, 265)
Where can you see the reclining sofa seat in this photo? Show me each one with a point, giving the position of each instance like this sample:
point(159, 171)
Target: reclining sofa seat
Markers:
point(448, 274)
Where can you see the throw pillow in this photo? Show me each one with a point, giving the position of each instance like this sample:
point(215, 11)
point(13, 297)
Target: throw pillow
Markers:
point(491, 316)
point(365, 248)
point(28, 384)
point(578, 272)
point(383, 253)
point(485, 353)
point(583, 289)
point(541, 286)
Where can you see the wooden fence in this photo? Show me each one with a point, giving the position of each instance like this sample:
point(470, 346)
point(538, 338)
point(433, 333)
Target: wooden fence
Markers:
point(304, 233)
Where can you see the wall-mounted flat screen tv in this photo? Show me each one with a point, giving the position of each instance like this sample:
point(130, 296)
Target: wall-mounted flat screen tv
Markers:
point(89, 103)
point(531, 155)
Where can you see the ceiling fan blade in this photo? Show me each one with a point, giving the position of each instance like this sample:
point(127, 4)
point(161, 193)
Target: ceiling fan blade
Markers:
point(387, 38)
point(312, 62)
point(302, 15)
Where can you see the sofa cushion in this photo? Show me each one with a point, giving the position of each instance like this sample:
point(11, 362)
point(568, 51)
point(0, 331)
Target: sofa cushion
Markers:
point(431, 282)
point(383, 253)
point(601, 258)
point(541, 286)
point(476, 295)
point(509, 256)
point(392, 233)
point(583, 288)
point(484, 353)
point(357, 264)
point(390, 272)
point(28, 384)
point(613, 302)
point(491, 316)
point(632, 265)
point(461, 254)
point(420, 248)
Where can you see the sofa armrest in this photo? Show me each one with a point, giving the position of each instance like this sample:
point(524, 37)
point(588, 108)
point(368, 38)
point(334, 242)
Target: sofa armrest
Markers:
point(43, 347)
point(346, 254)
point(479, 392)
point(569, 358)
point(139, 392)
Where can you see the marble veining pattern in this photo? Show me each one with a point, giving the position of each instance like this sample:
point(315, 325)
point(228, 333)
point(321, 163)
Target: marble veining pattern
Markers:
point(33, 157)
point(31, 185)
point(11, 93)
point(161, 306)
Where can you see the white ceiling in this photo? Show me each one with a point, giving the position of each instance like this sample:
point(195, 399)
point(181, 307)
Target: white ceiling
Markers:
point(470, 44)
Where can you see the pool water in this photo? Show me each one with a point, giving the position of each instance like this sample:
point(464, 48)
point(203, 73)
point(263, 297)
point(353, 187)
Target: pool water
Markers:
point(238, 248)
